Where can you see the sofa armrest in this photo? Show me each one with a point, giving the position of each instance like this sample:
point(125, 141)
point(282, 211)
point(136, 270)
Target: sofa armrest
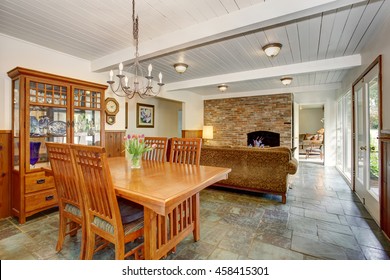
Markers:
point(292, 166)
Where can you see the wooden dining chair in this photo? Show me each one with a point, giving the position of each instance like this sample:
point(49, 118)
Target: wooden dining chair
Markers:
point(70, 202)
point(105, 214)
point(159, 153)
point(185, 150)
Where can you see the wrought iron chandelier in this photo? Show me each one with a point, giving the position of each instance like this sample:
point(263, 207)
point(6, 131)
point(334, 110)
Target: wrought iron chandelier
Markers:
point(137, 84)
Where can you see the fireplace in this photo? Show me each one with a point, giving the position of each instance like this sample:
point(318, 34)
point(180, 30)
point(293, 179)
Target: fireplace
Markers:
point(263, 138)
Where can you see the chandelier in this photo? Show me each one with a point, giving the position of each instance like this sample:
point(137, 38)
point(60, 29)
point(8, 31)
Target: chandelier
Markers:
point(137, 84)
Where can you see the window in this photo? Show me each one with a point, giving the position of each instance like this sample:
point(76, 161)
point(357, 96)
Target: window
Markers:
point(344, 135)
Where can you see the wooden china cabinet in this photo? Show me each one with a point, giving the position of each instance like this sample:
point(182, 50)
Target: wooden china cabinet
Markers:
point(48, 108)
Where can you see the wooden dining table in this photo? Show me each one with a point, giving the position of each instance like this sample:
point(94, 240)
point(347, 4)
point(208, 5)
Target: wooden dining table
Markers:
point(169, 193)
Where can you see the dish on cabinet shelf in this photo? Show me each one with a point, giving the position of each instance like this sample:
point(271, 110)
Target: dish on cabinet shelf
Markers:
point(57, 128)
point(33, 124)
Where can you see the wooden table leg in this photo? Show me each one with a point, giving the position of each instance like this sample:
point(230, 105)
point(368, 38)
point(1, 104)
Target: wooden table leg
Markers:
point(196, 213)
point(150, 233)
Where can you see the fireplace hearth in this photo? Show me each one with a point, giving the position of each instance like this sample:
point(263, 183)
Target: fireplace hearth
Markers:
point(263, 138)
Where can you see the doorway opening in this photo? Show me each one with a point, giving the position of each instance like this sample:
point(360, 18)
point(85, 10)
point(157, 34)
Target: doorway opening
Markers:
point(311, 133)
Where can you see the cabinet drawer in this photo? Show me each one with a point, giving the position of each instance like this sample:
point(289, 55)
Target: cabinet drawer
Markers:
point(41, 200)
point(38, 181)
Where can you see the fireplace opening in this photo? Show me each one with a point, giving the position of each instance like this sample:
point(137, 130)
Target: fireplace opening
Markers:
point(263, 139)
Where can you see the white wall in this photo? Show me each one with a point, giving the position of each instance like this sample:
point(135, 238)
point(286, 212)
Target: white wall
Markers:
point(15, 52)
point(168, 114)
point(310, 120)
point(192, 108)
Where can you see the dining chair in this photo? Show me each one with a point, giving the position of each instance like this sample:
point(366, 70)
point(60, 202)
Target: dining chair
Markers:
point(185, 150)
point(114, 220)
point(70, 202)
point(159, 153)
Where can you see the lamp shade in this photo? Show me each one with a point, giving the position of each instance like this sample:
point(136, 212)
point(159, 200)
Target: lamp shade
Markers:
point(272, 50)
point(180, 67)
point(208, 132)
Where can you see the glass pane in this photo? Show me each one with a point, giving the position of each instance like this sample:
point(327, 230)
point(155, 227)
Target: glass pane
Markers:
point(360, 137)
point(374, 130)
point(339, 135)
point(16, 123)
point(42, 94)
point(87, 127)
point(348, 136)
point(46, 124)
point(87, 99)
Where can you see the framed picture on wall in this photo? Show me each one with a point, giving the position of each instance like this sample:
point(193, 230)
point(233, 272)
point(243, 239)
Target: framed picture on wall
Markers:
point(145, 115)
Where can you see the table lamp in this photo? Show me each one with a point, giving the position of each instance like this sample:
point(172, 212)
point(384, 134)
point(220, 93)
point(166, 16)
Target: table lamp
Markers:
point(207, 133)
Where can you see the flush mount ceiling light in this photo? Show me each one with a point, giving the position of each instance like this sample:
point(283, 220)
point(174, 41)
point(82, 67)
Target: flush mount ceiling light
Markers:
point(286, 80)
point(272, 50)
point(180, 67)
point(222, 88)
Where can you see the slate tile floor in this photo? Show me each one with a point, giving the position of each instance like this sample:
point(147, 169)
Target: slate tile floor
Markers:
point(322, 219)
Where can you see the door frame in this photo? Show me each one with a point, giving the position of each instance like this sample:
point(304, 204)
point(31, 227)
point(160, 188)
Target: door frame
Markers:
point(377, 61)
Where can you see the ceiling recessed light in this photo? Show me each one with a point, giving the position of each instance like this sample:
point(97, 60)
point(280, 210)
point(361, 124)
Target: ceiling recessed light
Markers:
point(272, 50)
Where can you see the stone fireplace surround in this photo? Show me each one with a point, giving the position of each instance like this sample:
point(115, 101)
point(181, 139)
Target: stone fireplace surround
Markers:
point(233, 118)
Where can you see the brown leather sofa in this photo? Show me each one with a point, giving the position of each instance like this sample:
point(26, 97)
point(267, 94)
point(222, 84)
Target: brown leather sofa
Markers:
point(263, 170)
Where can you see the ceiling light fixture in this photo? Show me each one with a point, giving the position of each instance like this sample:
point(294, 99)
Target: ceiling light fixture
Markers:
point(272, 50)
point(222, 88)
point(286, 80)
point(180, 67)
point(139, 84)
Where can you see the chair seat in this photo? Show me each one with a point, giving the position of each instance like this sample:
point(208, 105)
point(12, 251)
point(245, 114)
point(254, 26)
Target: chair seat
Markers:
point(73, 210)
point(130, 211)
point(127, 228)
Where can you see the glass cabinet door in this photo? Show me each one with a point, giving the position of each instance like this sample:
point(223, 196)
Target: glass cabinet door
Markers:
point(47, 120)
point(16, 124)
point(87, 116)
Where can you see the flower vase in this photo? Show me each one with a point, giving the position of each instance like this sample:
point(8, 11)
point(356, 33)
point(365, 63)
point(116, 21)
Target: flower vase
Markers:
point(135, 161)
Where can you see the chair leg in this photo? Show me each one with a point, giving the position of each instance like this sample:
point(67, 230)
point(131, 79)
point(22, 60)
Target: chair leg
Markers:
point(120, 251)
point(284, 198)
point(90, 246)
point(83, 243)
point(61, 233)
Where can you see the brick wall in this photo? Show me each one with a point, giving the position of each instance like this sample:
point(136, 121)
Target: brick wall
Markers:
point(233, 118)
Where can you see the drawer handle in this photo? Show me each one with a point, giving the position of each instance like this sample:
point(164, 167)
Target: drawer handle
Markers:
point(49, 197)
point(41, 181)
point(3, 174)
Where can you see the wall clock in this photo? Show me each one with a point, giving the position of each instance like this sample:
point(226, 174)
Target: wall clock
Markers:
point(112, 106)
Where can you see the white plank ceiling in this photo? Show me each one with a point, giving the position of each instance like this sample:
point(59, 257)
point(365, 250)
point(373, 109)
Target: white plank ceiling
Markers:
point(220, 40)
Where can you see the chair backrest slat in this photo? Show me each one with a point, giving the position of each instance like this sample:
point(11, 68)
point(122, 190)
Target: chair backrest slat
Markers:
point(159, 152)
point(185, 150)
point(65, 177)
